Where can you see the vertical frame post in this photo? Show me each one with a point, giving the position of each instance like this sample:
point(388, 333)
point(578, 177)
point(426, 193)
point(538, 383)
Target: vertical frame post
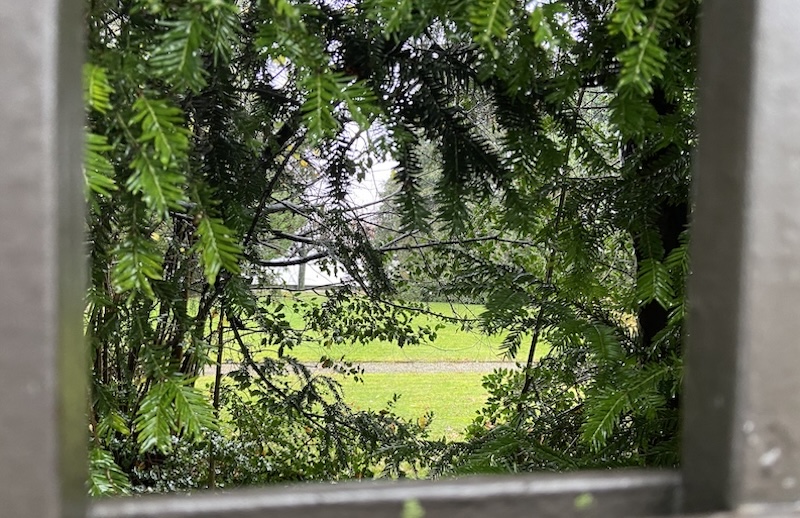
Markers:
point(742, 421)
point(42, 366)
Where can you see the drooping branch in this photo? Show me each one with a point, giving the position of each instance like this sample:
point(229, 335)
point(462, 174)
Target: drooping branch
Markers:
point(527, 384)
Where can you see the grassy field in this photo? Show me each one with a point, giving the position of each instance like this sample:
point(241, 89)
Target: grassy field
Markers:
point(453, 343)
point(453, 397)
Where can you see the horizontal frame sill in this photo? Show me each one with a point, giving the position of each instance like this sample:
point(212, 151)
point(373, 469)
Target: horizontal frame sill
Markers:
point(616, 493)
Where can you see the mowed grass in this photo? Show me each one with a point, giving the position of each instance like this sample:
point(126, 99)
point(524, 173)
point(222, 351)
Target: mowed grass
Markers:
point(453, 397)
point(454, 342)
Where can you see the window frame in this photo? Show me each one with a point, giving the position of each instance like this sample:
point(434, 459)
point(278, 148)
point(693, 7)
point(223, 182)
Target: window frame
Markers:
point(742, 408)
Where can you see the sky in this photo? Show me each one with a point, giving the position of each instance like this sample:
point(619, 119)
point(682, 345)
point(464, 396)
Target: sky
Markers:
point(361, 193)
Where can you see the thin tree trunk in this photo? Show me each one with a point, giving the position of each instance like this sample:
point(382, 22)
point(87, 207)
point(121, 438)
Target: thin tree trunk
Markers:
point(212, 469)
point(528, 385)
point(301, 271)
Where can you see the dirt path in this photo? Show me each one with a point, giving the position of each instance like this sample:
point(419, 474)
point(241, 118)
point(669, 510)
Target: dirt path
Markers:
point(398, 367)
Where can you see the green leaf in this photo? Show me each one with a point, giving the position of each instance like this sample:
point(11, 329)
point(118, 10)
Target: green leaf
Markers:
point(98, 172)
point(111, 423)
point(644, 60)
point(604, 414)
point(396, 13)
point(511, 344)
point(161, 188)
point(628, 18)
point(649, 242)
point(177, 57)
point(414, 212)
point(635, 393)
point(162, 127)
point(490, 20)
point(106, 478)
point(641, 64)
point(358, 98)
point(325, 90)
point(540, 27)
point(137, 262)
point(96, 88)
point(224, 29)
point(544, 22)
point(164, 143)
point(194, 412)
point(678, 313)
point(155, 420)
point(218, 247)
point(632, 114)
point(677, 261)
point(654, 282)
point(322, 92)
point(286, 8)
point(172, 406)
point(604, 343)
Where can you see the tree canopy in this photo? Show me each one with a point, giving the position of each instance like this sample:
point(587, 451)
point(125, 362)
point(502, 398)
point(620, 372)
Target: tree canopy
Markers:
point(543, 155)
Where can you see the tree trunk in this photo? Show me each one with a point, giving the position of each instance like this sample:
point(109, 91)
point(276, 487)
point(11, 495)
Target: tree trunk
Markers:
point(671, 221)
point(671, 218)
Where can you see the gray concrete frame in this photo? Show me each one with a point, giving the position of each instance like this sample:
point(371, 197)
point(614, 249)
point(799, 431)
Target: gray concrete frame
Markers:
point(742, 417)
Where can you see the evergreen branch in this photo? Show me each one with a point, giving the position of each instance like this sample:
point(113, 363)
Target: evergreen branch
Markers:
point(97, 89)
point(217, 246)
point(537, 329)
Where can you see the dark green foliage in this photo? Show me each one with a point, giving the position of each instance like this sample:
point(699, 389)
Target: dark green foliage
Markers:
point(191, 137)
point(172, 407)
point(294, 428)
point(543, 169)
point(592, 106)
point(105, 477)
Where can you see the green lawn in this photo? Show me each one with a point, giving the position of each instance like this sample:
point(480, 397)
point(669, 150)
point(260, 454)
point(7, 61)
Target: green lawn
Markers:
point(454, 397)
point(453, 344)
